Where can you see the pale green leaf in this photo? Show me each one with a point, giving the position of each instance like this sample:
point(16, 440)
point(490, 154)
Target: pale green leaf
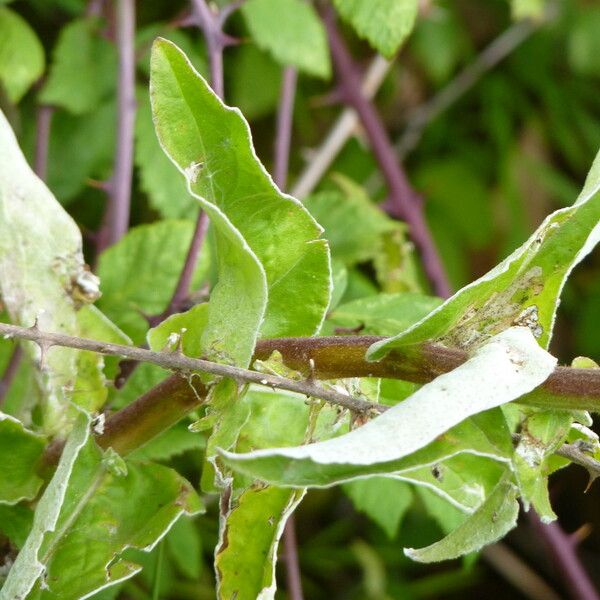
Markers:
point(42, 272)
point(512, 360)
point(20, 451)
point(384, 314)
point(104, 512)
point(21, 55)
point(524, 289)
point(159, 178)
point(524, 9)
point(28, 566)
point(492, 521)
point(291, 31)
point(382, 499)
point(172, 442)
point(247, 551)
point(385, 24)
point(181, 331)
point(263, 235)
point(140, 272)
point(84, 68)
point(185, 547)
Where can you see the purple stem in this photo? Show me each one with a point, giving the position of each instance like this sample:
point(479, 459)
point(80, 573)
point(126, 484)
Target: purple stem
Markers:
point(562, 551)
point(292, 566)
point(9, 373)
point(117, 215)
point(44, 119)
point(210, 24)
point(405, 203)
point(283, 137)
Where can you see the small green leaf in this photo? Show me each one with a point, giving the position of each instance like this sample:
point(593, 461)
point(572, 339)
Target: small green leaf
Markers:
point(140, 272)
point(385, 24)
point(84, 68)
point(382, 499)
point(291, 31)
point(512, 360)
point(385, 313)
point(524, 9)
point(524, 289)
point(492, 521)
point(181, 331)
point(247, 551)
point(173, 442)
point(185, 547)
point(20, 451)
point(15, 523)
point(21, 55)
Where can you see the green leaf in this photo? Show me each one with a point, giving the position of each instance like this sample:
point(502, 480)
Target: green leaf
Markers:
point(43, 277)
point(28, 568)
point(140, 272)
point(382, 499)
point(20, 451)
point(173, 442)
point(385, 24)
point(181, 331)
point(262, 233)
point(159, 178)
point(84, 68)
point(583, 44)
point(513, 359)
point(247, 551)
point(385, 313)
point(21, 55)
point(15, 523)
point(291, 31)
point(185, 547)
point(104, 512)
point(524, 289)
point(492, 521)
point(524, 9)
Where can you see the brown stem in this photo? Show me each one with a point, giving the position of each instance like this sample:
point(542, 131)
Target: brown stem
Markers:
point(292, 564)
point(9, 373)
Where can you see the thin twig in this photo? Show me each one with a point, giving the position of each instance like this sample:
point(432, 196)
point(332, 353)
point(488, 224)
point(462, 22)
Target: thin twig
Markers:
point(508, 564)
point(339, 134)
point(42, 141)
point(404, 201)
point(292, 564)
point(283, 138)
point(574, 453)
point(179, 362)
point(564, 557)
point(116, 221)
point(489, 57)
point(284, 126)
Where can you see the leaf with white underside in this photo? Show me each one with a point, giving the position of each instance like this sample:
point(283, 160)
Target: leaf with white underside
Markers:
point(107, 507)
point(492, 521)
point(268, 245)
point(20, 451)
point(28, 567)
point(506, 367)
point(291, 31)
point(42, 272)
point(385, 24)
point(524, 289)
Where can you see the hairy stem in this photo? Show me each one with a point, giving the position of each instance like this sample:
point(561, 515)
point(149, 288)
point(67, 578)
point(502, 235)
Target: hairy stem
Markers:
point(116, 220)
point(405, 203)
